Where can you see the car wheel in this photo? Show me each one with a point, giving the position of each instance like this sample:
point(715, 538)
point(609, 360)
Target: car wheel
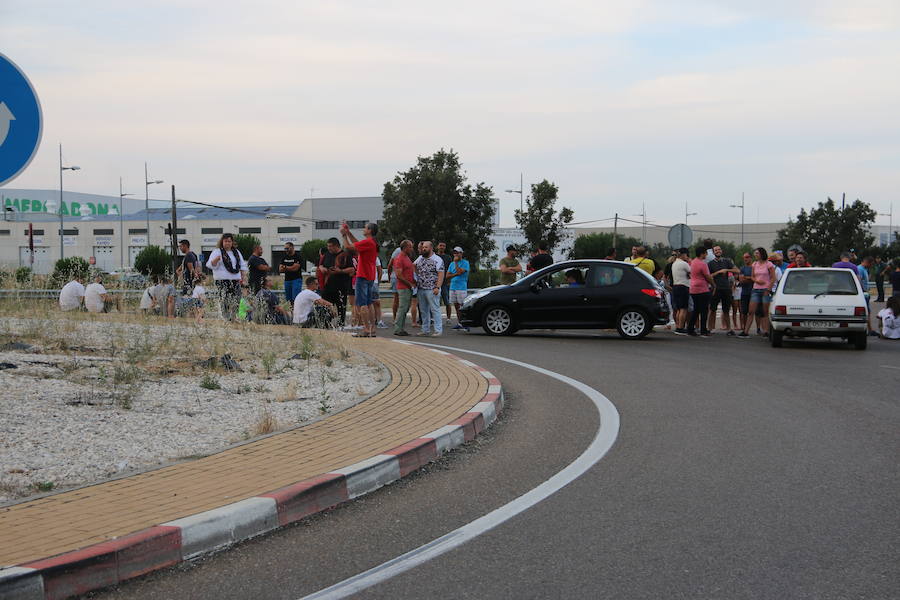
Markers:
point(860, 341)
point(633, 324)
point(497, 320)
point(776, 337)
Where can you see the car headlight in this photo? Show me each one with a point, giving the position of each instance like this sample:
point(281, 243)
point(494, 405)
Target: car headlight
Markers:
point(473, 298)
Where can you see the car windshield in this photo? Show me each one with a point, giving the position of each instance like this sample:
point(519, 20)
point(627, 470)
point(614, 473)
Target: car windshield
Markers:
point(820, 283)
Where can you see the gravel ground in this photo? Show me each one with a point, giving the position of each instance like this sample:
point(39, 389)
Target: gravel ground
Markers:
point(92, 399)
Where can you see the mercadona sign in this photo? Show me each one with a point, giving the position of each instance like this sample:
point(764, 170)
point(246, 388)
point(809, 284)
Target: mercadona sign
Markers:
point(25, 205)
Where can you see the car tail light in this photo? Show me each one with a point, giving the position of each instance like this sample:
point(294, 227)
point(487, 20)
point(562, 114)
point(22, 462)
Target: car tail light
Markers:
point(652, 293)
point(859, 311)
point(781, 310)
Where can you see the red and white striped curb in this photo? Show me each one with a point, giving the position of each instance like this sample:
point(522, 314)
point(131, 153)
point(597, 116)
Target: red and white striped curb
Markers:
point(117, 560)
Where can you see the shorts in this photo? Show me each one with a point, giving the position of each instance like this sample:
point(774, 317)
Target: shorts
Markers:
point(458, 296)
point(760, 296)
point(393, 284)
point(445, 295)
point(376, 293)
point(364, 291)
point(680, 297)
point(723, 296)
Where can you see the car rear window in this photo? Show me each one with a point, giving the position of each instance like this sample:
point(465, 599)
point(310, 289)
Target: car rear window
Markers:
point(807, 282)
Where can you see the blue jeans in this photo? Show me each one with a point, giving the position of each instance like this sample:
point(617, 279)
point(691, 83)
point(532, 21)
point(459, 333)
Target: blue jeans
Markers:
point(292, 288)
point(430, 310)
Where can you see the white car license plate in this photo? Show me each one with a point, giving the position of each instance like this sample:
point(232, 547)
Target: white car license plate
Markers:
point(821, 324)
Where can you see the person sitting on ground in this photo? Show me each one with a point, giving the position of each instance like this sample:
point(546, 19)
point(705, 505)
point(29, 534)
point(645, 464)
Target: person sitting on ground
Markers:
point(72, 294)
point(574, 278)
point(890, 319)
point(163, 295)
point(245, 309)
point(97, 299)
point(267, 308)
point(310, 310)
point(198, 298)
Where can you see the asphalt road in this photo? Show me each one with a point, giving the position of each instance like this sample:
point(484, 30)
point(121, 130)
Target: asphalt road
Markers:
point(740, 471)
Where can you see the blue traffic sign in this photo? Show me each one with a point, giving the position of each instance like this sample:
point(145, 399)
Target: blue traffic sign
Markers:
point(20, 121)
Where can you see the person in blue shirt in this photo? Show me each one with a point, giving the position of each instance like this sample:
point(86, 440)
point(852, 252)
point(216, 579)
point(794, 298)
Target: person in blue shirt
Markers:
point(458, 274)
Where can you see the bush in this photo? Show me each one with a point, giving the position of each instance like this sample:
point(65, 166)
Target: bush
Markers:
point(153, 260)
point(484, 278)
point(245, 243)
point(23, 275)
point(67, 269)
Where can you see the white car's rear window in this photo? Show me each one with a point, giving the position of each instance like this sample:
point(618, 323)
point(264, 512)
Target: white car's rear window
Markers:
point(835, 283)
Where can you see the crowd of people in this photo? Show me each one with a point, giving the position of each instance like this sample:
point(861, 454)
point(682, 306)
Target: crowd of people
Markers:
point(423, 276)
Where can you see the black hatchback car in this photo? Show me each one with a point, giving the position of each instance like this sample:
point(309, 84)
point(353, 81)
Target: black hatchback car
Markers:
point(576, 294)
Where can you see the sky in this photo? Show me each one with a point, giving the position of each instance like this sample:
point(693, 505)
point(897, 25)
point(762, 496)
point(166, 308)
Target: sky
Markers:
point(621, 104)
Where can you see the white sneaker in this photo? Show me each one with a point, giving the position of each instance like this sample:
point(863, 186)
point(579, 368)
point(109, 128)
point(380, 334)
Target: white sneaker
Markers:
point(381, 325)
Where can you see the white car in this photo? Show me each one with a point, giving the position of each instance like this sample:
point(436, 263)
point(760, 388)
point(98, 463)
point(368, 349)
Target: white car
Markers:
point(819, 302)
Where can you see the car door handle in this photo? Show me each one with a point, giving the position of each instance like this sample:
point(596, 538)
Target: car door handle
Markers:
point(584, 298)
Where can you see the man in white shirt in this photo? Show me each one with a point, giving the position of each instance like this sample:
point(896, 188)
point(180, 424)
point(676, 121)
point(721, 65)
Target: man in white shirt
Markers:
point(97, 299)
point(310, 310)
point(71, 295)
point(681, 280)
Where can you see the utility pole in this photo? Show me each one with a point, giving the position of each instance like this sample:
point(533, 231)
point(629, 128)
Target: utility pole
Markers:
point(615, 229)
point(687, 214)
point(122, 195)
point(741, 206)
point(174, 227)
point(643, 217)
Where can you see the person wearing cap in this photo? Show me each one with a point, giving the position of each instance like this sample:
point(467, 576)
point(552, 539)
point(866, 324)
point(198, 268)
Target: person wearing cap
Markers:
point(509, 266)
point(458, 274)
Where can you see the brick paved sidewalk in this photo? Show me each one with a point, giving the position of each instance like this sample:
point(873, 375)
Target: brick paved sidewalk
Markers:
point(426, 392)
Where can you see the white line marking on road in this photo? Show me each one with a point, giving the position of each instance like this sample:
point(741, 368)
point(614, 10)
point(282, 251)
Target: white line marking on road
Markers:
point(889, 367)
point(602, 442)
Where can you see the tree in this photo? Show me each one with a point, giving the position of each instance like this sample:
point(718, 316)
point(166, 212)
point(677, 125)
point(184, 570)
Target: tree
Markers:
point(153, 260)
point(310, 250)
point(245, 243)
point(597, 245)
point(539, 221)
point(433, 201)
point(825, 231)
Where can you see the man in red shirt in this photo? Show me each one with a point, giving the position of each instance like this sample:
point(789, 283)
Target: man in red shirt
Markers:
point(403, 269)
point(366, 250)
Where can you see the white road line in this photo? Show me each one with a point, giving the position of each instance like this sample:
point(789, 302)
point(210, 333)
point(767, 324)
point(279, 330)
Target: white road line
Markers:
point(889, 367)
point(602, 442)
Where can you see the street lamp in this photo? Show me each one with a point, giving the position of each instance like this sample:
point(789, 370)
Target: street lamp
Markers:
point(687, 214)
point(890, 216)
point(740, 206)
point(61, 169)
point(643, 216)
point(147, 184)
point(520, 192)
point(122, 195)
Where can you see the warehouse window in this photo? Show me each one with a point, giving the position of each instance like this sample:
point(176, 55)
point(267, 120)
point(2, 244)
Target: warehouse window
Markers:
point(288, 230)
point(103, 232)
point(68, 231)
point(357, 224)
point(327, 224)
point(249, 229)
point(177, 230)
point(211, 230)
point(4, 231)
point(35, 232)
point(137, 231)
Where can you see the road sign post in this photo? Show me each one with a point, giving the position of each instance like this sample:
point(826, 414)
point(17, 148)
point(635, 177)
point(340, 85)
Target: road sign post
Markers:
point(21, 123)
point(680, 236)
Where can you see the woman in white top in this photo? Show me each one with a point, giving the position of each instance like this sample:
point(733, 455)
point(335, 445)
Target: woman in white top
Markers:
point(229, 270)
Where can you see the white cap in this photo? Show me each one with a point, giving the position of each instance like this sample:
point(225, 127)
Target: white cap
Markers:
point(458, 249)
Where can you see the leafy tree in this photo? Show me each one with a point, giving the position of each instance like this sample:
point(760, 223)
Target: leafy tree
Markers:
point(825, 231)
point(433, 201)
point(540, 221)
point(153, 260)
point(245, 243)
point(597, 245)
point(310, 250)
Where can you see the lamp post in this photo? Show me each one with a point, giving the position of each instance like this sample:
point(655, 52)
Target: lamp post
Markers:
point(122, 195)
point(520, 192)
point(687, 214)
point(147, 184)
point(643, 216)
point(61, 169)
point(890, 216)
point(741, 206)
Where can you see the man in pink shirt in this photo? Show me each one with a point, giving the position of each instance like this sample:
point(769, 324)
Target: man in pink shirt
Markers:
point(701, 283)
point(366, 250)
